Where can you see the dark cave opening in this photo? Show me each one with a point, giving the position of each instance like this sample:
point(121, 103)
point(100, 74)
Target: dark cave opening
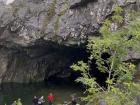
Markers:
point(100, 76)
point(74, 54)
point(55, 59)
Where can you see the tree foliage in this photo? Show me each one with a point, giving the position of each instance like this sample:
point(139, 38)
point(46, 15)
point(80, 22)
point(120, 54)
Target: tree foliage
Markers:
point(120, 88)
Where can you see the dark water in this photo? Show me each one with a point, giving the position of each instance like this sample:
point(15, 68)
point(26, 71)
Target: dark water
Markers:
point(62, 92)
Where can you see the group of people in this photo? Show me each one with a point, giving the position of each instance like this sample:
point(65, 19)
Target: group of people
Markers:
point(50, 99)
point(41, 101)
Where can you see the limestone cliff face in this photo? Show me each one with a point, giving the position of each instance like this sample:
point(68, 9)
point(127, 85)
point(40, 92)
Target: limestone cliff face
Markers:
point(32, 31)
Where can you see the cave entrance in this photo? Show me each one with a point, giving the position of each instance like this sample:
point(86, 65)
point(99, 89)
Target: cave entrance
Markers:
point(55, 59)
point(59, 72)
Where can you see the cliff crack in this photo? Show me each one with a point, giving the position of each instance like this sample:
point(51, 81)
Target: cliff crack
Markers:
point(82, 3)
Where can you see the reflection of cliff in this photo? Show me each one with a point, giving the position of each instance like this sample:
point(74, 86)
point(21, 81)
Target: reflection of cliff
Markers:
point(37, 36)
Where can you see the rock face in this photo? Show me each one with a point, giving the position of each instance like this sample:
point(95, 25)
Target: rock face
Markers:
point(32, 32)
point(37, 63)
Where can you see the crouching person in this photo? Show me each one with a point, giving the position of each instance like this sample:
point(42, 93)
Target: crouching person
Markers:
point(41, 100)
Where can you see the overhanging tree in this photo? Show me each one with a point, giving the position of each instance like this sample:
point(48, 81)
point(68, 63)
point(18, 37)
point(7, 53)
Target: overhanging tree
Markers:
point(116, 42)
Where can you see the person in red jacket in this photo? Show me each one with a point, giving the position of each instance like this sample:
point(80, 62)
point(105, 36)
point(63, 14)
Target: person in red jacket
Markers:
point(50, 99)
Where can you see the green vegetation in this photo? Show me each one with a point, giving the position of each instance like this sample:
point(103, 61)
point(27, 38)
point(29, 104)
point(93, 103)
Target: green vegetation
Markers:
point(120, 89)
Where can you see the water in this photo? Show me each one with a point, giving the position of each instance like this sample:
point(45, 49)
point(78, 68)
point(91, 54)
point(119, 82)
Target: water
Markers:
point(62, 92)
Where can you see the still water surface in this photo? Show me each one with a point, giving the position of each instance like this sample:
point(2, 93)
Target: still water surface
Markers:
point(62, 92)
